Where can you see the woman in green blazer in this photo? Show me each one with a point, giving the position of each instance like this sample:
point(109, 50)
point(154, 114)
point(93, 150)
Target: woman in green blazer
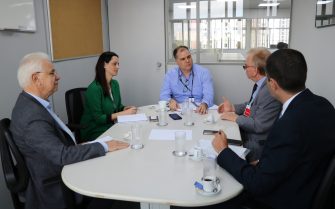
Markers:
point(102, 99)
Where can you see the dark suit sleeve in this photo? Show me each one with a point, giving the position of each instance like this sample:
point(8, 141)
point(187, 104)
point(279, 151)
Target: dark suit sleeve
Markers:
point(279, 159)
point(41, 137)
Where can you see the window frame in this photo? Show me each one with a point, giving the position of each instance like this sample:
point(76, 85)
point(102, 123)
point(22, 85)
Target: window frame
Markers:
point(197, 52)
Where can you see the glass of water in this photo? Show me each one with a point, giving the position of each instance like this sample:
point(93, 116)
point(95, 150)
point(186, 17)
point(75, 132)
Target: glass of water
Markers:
point(180, 138)
point(136, 137)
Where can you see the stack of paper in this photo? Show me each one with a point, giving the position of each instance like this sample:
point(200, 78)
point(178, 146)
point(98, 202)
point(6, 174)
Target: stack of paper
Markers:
point(159, 134)
point(206, 145)
point(131, 118)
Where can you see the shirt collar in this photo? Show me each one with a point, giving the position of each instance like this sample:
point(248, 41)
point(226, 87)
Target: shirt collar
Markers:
point(260, 82)
point(287, 103)
point(45, 103)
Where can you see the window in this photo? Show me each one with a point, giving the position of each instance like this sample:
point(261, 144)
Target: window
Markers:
point(219, 31)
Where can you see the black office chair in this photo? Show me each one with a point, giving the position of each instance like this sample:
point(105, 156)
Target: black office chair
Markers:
point(75, 100)
point(14, 167)
point(16, 173)
point(325, 196)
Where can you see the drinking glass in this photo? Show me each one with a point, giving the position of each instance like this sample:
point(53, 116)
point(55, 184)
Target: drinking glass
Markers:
point(189, 117)
point(162, 118)
point(136, 137)
point(180, 138)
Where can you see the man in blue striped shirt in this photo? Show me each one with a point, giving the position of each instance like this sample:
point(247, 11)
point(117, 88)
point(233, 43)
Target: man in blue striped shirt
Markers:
point(187, 81)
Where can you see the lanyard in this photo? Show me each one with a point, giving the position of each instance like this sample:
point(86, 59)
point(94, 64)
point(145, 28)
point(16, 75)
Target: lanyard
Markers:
point(185, 84)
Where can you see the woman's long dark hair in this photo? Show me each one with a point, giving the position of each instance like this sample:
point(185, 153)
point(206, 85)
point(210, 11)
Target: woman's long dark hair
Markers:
point(100, 74)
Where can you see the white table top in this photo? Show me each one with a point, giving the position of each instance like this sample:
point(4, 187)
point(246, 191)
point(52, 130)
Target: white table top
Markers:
point(152, 174)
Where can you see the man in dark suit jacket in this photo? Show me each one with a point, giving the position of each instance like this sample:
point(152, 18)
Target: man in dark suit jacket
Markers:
point(43, 139)
point(255, 117)
point(299, 147)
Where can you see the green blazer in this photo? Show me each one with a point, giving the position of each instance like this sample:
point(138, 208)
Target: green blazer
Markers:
point(98, 109)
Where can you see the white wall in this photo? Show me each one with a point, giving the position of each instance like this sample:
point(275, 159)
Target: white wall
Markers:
point(73, 73)
point(317, 45)
point(137, 36)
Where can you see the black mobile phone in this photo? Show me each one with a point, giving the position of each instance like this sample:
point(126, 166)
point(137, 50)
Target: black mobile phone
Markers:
point(235, 142)
point(175, 116)
point(209, 132)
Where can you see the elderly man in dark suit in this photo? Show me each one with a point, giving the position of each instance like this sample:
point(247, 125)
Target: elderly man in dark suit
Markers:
point(298, 148)
point(255, 117)
point(43, 139)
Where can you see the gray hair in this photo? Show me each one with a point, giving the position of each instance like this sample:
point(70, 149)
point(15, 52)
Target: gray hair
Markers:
point(30, 64)
point(259, 57)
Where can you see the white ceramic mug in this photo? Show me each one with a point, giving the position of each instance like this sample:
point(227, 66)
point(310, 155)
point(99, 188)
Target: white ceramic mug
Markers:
point(209, 184)
point(197, 153)
point(210, 118)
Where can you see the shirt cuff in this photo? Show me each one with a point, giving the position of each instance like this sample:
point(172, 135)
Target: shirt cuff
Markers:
point(104, 145)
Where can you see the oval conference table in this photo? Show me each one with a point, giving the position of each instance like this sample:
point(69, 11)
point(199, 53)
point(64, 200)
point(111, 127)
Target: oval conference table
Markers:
point(153, 175)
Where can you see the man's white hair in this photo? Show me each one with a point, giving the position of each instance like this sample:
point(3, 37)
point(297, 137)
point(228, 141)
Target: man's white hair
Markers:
point(30, 64)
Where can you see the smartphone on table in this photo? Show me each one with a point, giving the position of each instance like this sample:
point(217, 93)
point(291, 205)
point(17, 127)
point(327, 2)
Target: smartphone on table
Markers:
point(175, 116)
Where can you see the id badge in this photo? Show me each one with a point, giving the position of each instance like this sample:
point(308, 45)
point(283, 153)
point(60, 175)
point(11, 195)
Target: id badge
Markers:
point(247, 111)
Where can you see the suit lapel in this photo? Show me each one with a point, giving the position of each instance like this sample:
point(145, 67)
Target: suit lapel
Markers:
point(259, 92)
point(63, 136)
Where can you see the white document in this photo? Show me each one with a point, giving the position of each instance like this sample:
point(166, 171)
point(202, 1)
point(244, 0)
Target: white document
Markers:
point(164, 135)
point(208, 149)
point(214, 107)
point(131, 118)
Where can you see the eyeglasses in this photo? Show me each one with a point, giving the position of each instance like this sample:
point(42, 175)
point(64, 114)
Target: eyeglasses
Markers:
point(52, 73)
point(247, 66)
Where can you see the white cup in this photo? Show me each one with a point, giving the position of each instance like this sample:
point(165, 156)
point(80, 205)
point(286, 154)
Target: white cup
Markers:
point(162, 118)
point(210, 118)
point(162, 105)
point(209, 167)
point(209, 184)
point(136, 137)
point(180, 138)
point(197, 153)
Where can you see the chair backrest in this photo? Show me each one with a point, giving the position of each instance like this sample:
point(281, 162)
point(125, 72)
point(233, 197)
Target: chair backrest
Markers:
point(14, 167)
point(325, 196)
point(75, 100)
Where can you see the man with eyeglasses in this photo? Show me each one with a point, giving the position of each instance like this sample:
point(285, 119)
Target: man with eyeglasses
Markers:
point(187, 81)
point(255, 117)
point(298, 150)
point(44, 140)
